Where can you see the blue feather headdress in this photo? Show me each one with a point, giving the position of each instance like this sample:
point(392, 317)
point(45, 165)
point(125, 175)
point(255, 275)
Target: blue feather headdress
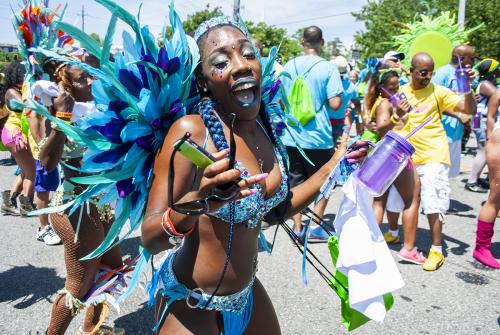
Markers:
point(138, 97)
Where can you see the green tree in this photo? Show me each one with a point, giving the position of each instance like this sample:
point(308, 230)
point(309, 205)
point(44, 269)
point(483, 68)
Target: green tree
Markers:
point(334, 47)
point(194, 20)
point(96, 37)
point(384, 19)
point(270, 36)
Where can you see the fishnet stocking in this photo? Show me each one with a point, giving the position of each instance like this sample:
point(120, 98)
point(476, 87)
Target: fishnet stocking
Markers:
point(80, 274)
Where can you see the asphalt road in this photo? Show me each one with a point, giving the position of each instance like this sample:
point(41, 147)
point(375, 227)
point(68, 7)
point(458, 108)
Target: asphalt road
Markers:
point(460, 298)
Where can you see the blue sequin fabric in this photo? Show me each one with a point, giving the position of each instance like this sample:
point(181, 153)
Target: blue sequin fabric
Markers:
point(253, 208)
point(175, 290)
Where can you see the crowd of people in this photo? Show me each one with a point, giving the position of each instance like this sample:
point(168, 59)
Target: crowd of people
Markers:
point(210, 219)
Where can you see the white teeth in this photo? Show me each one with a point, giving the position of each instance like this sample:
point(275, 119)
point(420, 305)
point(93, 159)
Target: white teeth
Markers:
point(244, 87)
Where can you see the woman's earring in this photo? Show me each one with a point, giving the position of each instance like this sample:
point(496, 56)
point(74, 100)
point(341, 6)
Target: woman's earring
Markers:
point(204, 89)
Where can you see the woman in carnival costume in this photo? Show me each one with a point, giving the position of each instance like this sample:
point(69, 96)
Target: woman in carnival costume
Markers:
point(388, 112)
point(14, 138)
point(13, 81)
point(488, 70)
point(142, 99)
point(489, 211)
point(90, 284)
point(198, 299)
point(82, 231)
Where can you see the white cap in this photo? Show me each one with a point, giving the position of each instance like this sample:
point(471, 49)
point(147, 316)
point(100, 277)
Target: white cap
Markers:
point(394, 55)
point(341, 63)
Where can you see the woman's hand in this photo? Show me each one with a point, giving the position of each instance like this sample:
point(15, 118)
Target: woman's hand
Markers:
point(357, 152)
point(63, 103)
point(403, 108)
point(218, 174)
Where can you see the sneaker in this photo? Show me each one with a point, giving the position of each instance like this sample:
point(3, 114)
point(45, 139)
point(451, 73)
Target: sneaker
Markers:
point(412, 256)
point(475, 187)
point(435, 260)
point(484, 183)
point(48, 236)
point(390, 239)
point(318, 233)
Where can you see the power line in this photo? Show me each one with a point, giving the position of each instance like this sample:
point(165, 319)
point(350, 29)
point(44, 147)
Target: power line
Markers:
point(314, 18)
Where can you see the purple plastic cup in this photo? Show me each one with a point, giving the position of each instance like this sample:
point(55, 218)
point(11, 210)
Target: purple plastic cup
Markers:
point(462, 81)
point(385, 163)
point(394, 100)
point(476, 121)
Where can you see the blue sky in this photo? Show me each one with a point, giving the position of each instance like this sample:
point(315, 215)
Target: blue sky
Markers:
point(330, 15)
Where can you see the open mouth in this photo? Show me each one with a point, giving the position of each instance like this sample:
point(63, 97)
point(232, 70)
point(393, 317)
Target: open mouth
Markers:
point(245, 91)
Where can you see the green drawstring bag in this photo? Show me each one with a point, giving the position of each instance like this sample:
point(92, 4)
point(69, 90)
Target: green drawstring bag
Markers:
point(370, 136)
point(351, 318)
point(300, 99)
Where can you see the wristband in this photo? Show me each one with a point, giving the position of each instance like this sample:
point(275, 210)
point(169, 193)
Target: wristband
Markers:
point(394, 120)
point(169, 228)
point(66, 116)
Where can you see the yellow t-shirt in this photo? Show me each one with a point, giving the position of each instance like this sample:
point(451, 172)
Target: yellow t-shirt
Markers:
point(430, 142)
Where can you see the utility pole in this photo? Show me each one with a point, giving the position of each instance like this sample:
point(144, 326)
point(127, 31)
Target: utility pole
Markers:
point(236, 9)
point(461, 13)
point(83, 18)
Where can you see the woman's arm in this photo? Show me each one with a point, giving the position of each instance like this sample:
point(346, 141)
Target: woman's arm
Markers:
point(51, 152)
point(493, 104)
point(302, 195)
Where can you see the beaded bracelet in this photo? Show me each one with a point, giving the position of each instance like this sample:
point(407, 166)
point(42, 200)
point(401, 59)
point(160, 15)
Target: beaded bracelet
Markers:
point(169, 228)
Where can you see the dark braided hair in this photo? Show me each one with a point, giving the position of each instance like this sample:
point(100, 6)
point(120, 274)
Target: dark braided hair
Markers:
point(14, 75)
point(213, 124)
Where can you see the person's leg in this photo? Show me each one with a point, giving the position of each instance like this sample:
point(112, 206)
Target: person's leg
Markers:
point(184, 320)
point(478, 165)
point(379, 207)
point(409, 251)
point(9, 205)
point(26, 162)
point(80, 274)
point(264, 319)
point(42, 201)
point(490, 209)
point(392, 221)
point(297, 176)
point(410, 217)
point(319, 157)
point(435, 204)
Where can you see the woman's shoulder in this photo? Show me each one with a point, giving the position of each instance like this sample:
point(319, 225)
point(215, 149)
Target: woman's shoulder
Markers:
point(189, 123)
point(12, 93)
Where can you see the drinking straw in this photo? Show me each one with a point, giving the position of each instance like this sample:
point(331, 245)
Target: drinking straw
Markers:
point(459, 62)
point(387, 92)
point(417, 128)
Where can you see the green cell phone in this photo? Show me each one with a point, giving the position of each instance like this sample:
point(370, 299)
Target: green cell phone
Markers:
point(196, 154)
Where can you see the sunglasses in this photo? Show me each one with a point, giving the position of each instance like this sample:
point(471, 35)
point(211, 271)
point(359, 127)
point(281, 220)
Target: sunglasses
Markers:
point(425, 73)
point(224, 192)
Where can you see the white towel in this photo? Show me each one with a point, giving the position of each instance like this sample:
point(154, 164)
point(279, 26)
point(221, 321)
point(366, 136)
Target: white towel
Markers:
point(45, 91)
point(363, 254)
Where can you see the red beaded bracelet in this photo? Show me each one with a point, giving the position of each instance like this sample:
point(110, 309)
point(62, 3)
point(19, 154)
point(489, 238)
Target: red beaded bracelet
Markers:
point(169, 228)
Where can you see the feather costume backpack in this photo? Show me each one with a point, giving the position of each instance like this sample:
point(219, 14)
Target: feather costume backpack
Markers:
point(138, 97)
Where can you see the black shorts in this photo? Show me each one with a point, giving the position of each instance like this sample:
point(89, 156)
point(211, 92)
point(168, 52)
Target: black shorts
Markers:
point(300, 169)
